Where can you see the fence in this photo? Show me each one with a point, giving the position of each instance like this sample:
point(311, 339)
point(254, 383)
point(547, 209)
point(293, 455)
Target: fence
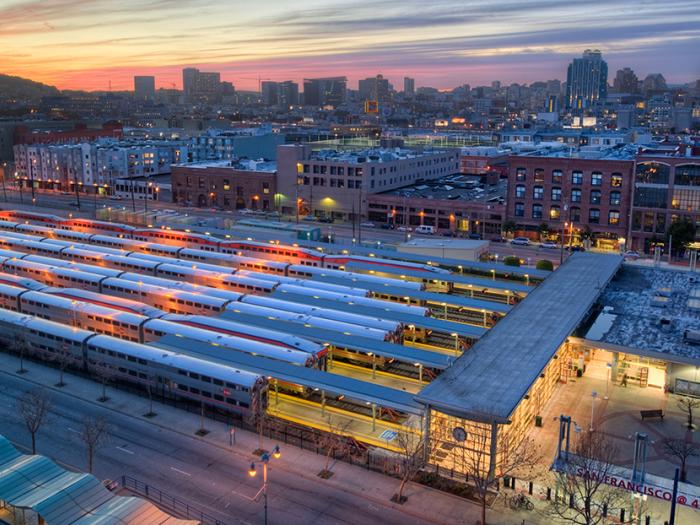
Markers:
point(168, 502)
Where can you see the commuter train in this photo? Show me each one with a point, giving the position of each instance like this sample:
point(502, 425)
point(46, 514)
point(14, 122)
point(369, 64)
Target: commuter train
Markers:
point(52, 305)
point(207, 243)
point(168, 373)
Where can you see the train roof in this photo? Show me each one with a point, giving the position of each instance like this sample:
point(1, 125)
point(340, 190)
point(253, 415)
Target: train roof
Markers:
point(11, 289)
point(8, 225)
point(132, 261)
point(326, 313)
point(214, 323)
point(82, 248)
point(182, 286)
point(83, 307)
point(214, 302)
point(16, 241)
point(98, 224)
point(431, 323)
point(196, 265)
point(95, 271)
point(16, 280)
point(11, 254)
point(307, 320)
point(390, 263)
point(177, 360)
point(343, 276)
point(109, 301)
point(354, 342)
point(344, 298)
point(50, 327)
point(238, 343)
point(311, 377)
point(112, 238)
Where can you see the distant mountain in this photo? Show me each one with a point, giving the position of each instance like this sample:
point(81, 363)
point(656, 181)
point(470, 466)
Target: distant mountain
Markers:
point(17, 87)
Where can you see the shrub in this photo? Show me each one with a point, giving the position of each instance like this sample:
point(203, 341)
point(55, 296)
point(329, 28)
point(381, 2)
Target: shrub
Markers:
point(511, 261)
point(544, 264)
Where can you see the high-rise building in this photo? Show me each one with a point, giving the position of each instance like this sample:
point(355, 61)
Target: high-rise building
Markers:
point(288, 93)
point(626, 81)
point(189, 80)
point(586, 80)
point(145, 87)
point(269, 93)
point(654, 83)
point(375, 88)
point(329, 91)
point(409, 86)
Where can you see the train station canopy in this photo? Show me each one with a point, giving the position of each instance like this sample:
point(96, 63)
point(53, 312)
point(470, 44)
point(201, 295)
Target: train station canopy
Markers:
point(61, 497)
point(487, 382)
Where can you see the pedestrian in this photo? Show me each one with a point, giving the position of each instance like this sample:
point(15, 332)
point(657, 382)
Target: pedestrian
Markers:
point(624, 380)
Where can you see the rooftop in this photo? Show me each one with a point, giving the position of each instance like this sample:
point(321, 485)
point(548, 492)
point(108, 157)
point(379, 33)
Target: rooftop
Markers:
point(650, 309)
point(260, 165)
point(488, 381)
point(453, 187)
point(372, 155)
point(559, 150)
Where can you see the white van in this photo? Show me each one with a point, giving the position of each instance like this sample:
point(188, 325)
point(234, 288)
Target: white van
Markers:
point(426, 230)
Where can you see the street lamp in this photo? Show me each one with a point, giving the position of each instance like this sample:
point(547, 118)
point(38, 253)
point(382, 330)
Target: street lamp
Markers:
point(594, 394)
point(264, 459)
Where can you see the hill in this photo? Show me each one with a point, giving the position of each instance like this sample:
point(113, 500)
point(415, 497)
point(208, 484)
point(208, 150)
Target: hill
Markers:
point(17, 87)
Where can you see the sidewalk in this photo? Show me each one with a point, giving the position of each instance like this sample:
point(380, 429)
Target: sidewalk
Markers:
point(424, 503)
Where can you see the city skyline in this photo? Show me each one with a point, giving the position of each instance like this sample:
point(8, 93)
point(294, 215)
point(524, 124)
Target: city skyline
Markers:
point(61, 42)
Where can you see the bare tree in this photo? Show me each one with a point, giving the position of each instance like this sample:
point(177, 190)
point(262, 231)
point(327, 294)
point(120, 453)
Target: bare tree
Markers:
point(62, 357)
point(104, 375)
point(410, 444)
point(34, 407)
point(94, 433)
point(21, 345)
point(150, 379)
point(334, 441)
point(681, 450)
point(583, 496)
point(687, 405)
point(476, 460)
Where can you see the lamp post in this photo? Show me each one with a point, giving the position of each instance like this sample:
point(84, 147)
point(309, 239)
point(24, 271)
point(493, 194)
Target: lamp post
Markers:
point(94, 187)
point(608, 366)
point(594, 394)
point(145, 199)
point(264, 459)
point(4, 171)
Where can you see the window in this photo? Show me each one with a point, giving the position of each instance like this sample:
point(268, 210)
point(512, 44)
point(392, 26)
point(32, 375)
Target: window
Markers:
point(595, 196)
point(556, 194)
point(687, 175)
point(613, 217)
point(577, 177)
point(556, 177)
point(652, 173)
point(519, 209)
point(576, 195)
point(539, 175)
point(594, 216)
point(536, 211)
point(554, 212)
point(520, 191)
point(538, 193)
point(645, 197)
point(616, 180)
point(575, 214)
point(520, 174)
point(596, 178)
point(615, 198)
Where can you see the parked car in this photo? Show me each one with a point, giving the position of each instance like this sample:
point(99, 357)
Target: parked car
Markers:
point(521, 241)
point(310, 218)
point(632, 255)
point(576, 248)
point(499, 239)
point(386, 226)
point(367, 224)
point(115, 197)
point(404, 229)
point(550, 245)
point(475, 236)
point(425, 230)
point(328, 220)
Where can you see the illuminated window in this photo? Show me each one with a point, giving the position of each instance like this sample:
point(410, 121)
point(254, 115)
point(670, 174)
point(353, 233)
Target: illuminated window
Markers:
point(613, 218)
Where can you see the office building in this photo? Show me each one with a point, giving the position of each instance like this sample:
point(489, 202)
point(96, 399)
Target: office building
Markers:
point(196, 83)
point(144, 87)
point(269, 93)
point(626, 81)
point(409, 86)
point(329, 91)
point(586, 80)
point(336, 183)
point(231, 185)
point(282, 94)
point(375, 89)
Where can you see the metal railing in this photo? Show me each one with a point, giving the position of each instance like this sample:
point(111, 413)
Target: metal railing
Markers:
point(168, 502)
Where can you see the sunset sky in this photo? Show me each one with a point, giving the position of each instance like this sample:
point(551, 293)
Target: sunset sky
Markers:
point(83, 44)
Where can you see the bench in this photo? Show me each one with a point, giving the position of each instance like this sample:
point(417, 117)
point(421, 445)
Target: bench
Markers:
point(651, 413)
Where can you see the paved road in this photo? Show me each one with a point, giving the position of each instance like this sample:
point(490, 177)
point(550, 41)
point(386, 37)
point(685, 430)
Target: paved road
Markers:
point(186, 467)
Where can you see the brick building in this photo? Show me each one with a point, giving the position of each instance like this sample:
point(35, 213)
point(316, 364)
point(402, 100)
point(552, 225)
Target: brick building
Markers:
point(225, 184)
point(80, 133)
point(569, 192)
point(666, 189)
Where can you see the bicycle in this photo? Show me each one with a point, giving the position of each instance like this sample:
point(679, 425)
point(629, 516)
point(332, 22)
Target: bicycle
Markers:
point(520, 502)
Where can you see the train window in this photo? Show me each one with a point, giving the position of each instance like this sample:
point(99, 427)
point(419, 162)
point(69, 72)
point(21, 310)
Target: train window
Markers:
point(231, 401)
point(194, 390)
point(182, 387)
point(182, 372)
point(218, 397)
point(218, 382)
point(243, 404)
point(206, 394)
point(206, 379)
point(194, 375)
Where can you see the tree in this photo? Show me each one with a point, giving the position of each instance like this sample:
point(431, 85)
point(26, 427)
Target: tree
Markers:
point(333, 441)
point(687, 405)
point(509, 227)
point(545, 264)
point(94, 434)
point(586, 234)
point(680, 234)
point(34, 407)
point(543, 230)
point(681, 450)
point(411, 456)
point(62, 357)
point(583, 496)
point(511, 261)
point(21, 345)
point(105, 375)
point(476, 462)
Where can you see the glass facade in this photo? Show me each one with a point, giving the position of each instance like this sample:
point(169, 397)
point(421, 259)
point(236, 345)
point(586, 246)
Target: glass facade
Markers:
point(687, 175)
point(645, 197)
point(652, 173)
point(686, 200)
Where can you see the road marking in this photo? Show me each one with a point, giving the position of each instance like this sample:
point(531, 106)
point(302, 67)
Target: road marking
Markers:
point(180, 471)
point(73, 430)
point(125, 450)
